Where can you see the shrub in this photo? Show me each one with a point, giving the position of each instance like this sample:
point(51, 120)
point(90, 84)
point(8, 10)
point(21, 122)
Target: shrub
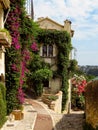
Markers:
point(2, 105)
point(3, 91)
point(52, 97)
point(12, 101)
point(78, 88)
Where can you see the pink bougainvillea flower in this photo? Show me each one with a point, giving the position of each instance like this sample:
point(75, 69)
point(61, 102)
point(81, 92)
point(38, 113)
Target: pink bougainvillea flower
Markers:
point(21, 95)
point(34, 47)
point(14, 67)
point(26, 55)
point(17, 46)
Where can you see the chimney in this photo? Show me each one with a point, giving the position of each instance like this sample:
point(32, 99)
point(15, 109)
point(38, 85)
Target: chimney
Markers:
point(67, 26)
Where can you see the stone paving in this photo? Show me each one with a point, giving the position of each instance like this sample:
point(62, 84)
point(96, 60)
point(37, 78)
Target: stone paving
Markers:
point(73, 121)
point(68, 121)
point(27, 123)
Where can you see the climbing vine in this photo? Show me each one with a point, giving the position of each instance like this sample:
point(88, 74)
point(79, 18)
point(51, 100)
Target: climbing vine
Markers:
point(25, 33)
point(22, 30)
point(63, 42)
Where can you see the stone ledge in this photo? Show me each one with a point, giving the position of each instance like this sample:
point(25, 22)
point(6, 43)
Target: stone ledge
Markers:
point(5, 40)
point(6, 3)
point(53, 104)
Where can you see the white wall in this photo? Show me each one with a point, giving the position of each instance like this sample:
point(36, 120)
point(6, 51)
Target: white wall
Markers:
point(2, 63)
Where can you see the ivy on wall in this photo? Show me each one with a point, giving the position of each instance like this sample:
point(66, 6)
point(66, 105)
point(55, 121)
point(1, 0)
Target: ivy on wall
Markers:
point(22, 30)
point(39, 72)
point(24, 34)
point(65, 67)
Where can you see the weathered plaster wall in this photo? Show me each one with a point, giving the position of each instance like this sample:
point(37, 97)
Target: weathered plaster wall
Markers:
point(1, 17)
point(91, 97)
point(54, 105)
point(2, 63)
point(55, 85)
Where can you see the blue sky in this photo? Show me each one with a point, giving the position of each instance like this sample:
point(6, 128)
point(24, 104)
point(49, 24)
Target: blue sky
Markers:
point(84, 17)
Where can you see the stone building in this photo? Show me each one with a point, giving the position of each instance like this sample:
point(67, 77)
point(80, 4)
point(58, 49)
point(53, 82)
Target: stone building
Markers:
point(49, 52)
point(5, 39)
point(47, 23)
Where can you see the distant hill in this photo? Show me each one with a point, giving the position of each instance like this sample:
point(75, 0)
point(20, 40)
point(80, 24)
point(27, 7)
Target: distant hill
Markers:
point(89, 70)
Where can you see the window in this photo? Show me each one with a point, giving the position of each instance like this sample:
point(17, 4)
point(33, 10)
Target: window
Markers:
point(44, 50)
point(47, 50)
point(50, 50)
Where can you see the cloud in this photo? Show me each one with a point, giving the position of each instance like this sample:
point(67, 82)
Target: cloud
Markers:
point(82, 13)
point(79, 12)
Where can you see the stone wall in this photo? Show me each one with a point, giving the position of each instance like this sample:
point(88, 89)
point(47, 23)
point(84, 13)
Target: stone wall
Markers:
point(91, 98)
point(55, 85)
point(5, 41)
point(54, 105)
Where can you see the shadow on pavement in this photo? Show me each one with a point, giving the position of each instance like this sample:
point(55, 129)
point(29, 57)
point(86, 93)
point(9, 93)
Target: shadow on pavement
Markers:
point(71, 122)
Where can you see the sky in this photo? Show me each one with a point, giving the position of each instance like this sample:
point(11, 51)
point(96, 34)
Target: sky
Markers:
point(84, 17)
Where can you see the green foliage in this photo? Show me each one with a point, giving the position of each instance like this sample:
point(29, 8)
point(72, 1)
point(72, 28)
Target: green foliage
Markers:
point(28, 31)
point(28, 27)
point(23, 31)
point(12, 79)
point(62, 40)
point(52, 97)
point(77, 101)
point(39, 71)
point(53, 36)
point(2, 104)
point(78, 84)
point(3, 91)
point(38, 88)
point(90, 77)
point(12, 101)
point(35, 63)
point(72, 67)
point(42, 74)
point(7, 33)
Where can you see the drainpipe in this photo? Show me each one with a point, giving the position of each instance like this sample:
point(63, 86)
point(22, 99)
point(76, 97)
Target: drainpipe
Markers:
point(6, 15)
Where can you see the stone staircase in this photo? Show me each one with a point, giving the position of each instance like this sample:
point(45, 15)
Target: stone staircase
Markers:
point(72, 121)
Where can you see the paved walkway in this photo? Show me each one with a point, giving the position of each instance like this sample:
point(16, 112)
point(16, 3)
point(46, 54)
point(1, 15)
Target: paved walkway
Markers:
point(43, 120)
point(27, 123)
point(37, 116)
point(71, 121)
